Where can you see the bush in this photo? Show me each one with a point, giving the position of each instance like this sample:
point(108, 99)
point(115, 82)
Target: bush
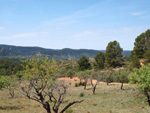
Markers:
point(81, 95)
point(76, 84)
point(70, 74)
point(82, 83)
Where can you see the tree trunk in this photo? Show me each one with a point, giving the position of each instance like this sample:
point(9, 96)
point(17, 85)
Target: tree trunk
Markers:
point(121, 85)
point(148, 97)
point(91, 82)
point(94, 91)
point(80, 82)
point(107, 83)
point(85, 85)
point(94, 88)
point(55, 111)
point(47, 107)
point(12, 92)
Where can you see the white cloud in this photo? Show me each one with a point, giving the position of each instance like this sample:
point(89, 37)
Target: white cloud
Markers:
point(137, 13)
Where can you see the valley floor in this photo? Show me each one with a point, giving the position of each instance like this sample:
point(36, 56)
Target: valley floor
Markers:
point(108, 99)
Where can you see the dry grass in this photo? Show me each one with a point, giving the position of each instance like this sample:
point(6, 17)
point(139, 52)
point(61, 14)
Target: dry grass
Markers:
point(108, 99)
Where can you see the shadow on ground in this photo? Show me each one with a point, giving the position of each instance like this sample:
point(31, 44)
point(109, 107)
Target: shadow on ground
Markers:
point(9, 107)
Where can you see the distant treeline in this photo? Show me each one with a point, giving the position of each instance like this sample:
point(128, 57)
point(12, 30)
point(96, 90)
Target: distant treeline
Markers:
point(8, 67)
point(15, 52)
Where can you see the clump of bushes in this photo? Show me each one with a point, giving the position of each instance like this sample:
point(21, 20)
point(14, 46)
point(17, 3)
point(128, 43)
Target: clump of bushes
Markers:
point(76, 84)
point(80, 84)
point(81, 95)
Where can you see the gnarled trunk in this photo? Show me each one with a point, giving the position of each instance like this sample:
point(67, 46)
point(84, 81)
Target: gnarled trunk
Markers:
point(47, 107)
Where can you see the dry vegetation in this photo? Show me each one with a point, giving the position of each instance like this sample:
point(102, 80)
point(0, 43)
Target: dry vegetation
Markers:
point(108, 99)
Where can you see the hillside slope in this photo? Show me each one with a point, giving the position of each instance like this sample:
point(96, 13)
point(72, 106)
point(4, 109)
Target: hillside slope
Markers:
point(8, 51)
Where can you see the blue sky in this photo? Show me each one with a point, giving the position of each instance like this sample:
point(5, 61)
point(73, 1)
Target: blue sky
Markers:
point(88, 24)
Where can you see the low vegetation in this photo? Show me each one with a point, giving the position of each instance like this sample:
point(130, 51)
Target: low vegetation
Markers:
point(83, 86)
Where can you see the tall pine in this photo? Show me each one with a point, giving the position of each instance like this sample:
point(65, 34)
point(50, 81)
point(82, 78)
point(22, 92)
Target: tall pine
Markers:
point(113, 55)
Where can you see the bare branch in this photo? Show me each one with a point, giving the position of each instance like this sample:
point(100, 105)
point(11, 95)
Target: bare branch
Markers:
point(70, 104)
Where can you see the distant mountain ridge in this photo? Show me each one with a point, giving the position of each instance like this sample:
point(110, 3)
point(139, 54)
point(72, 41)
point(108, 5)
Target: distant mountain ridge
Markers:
point(9, 51)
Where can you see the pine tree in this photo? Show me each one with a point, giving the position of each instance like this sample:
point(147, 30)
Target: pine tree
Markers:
point(142, 44)
point(84, 63)
point(99, 60)
point(113, 55)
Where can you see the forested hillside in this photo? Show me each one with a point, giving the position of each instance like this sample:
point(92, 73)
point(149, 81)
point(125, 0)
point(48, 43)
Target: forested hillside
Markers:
point(7, 51)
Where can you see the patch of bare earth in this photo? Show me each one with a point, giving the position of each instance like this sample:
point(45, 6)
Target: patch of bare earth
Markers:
point(74, 80)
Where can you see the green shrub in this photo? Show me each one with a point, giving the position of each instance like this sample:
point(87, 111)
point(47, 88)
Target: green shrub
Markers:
point(76, 84)
point(82, 84)
point(81, 95)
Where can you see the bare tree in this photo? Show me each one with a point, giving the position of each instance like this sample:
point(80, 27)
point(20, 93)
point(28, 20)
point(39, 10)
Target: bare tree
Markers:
point(42, 88)
point(97, 76)
point(55, 92)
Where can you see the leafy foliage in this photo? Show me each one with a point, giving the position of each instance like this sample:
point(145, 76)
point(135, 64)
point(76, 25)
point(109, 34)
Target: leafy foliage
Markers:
point(122, 77)
point(142, 44)
point(135, 62)
point(9, 67)
point(84, 63)
point(99, 61)
point(4, 81)
point(142, 78)
point(109, 76)
point(42, 87)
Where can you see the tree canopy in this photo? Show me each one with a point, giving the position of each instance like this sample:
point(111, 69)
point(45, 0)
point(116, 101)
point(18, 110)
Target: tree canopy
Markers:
point(142, 78)
point(113, 54)
point(142, 44)
point(84, 63)
point(99, 60)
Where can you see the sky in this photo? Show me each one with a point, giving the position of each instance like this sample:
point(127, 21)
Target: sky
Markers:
point(76, 24)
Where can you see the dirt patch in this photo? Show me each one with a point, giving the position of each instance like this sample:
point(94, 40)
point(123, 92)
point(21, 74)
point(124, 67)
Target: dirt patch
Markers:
point(77, 80)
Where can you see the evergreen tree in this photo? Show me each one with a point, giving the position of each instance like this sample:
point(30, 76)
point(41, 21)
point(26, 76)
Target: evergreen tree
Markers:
point(84, 63)
point(135, 62)
point(113, 55)
point(99, 60)
point(142, 44)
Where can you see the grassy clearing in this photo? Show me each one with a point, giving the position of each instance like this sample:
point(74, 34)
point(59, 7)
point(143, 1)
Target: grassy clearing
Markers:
point(108, 99)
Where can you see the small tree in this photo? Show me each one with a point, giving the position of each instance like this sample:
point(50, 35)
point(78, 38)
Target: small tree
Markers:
point(97, 77)
point(142, 44)
point(19, 74)
point(8, 83)
point(84, 63)
point(80, 76)
point(99, 61)
point(135, 61)
point(146, 56)
point(70, 74)
point(86, 75)
point(113, 55)
point(4, 81)
point(40, 87)
point(142, 78)
point(109, 76)
point(122, 77)
point(83, 77)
